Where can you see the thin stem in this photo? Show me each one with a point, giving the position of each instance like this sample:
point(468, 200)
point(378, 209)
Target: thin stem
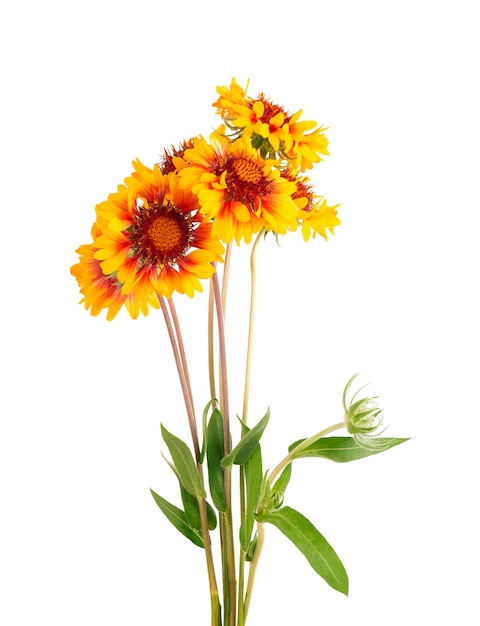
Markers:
point(214, 599)
point(211, 306)
point(226, 527)
point(248, 367)
point(253, 569)
point(241, 579)
point(226, 272)
point(224, 408)
point(246, 394)
point(301, 446)
point(211, 354)
point(182, 376)
point(181, 347)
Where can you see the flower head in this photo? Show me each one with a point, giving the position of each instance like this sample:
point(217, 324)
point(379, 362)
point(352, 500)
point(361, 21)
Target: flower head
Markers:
point(238, 189)
point(274, 131)
point(314, 215)
point(149, 241)
point(363, 417)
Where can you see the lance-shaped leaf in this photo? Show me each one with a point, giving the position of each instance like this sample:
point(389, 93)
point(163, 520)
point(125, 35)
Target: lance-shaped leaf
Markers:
point(343, 449)
point(215, 452)
point(204, 428)
point(253, 481)
point(247, 444)
point(184, 463)
point(192, 510)
point(178, 518)
point(313, 545)
point(191, 505)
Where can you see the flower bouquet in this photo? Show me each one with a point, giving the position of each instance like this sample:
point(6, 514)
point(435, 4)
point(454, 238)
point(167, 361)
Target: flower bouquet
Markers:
point(168, 229)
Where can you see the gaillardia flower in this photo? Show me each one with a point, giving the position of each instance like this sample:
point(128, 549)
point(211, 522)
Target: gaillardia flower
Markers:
point(150, 240)
point(238, 189)
point(363, 418)
point(314, 215)
point(272, 129)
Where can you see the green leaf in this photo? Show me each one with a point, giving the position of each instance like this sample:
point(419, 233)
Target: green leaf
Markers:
point(178, 518)
point(211, 516)
point(247, 444)
point(215, 452)
point(253, 481)
point(191, 505)
point(343, 449)
point(313, 545)
point(184, 463)
point(192, 510)
point(204, 428)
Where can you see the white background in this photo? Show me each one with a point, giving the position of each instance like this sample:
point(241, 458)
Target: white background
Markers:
point(90, 86)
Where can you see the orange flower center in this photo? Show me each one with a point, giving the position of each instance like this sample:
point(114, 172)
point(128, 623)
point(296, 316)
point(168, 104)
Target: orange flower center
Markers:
point(246, 181)
point(247, 171)
point(160, 234)
point(165, 233)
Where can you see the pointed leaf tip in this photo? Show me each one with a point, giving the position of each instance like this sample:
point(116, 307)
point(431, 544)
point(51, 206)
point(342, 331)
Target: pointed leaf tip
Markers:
point(184, 463)
point(311, 543)
point(247, 444)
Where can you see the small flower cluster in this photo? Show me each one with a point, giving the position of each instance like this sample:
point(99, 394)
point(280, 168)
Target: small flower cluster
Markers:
point(165, 227)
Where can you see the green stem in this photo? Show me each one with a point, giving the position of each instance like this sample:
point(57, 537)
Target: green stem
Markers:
point(246, 395)
point(301, 446)
point(241, 573)
point(248, 366)
point(214, 600)
point(253, 569)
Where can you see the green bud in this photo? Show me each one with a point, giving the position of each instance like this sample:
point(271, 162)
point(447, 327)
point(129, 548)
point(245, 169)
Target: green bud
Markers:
point(363, 417)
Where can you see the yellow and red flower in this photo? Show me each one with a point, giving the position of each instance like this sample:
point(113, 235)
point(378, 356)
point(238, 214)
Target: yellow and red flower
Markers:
point(314, 215)
point(149, 240)
point(273, 130)
point(238, 189)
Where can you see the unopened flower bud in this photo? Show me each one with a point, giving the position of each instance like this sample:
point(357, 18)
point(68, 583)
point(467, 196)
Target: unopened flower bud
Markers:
point(363, 417)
